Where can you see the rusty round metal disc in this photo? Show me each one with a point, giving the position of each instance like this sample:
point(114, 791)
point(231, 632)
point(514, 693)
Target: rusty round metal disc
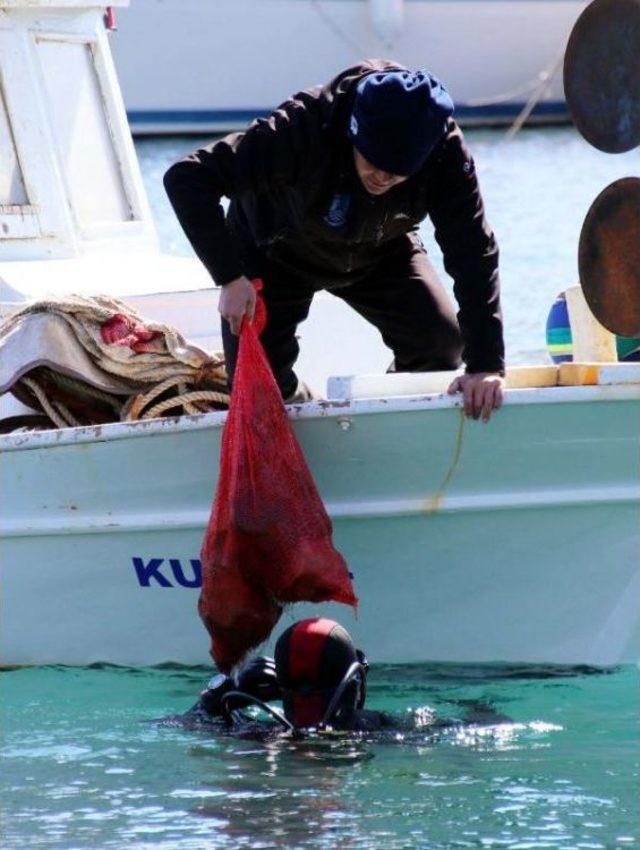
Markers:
point(609, 257)
point(602, 74)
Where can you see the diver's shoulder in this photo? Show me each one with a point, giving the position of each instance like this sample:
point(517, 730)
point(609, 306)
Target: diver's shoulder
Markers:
point(368, 720)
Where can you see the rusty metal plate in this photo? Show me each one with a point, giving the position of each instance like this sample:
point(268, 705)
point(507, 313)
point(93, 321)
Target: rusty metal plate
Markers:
point(609, 257)
point(602, 74)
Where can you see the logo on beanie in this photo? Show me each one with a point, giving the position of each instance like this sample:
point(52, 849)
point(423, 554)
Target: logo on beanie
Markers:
point(353, 125)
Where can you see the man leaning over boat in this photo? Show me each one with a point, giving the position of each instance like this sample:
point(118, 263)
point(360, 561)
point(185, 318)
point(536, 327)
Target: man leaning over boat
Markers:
point(328, 193)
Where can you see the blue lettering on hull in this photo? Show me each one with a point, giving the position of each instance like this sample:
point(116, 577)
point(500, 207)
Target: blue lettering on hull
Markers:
point(150, 572)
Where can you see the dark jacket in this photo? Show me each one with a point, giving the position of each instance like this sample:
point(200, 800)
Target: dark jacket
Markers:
point(296, 199)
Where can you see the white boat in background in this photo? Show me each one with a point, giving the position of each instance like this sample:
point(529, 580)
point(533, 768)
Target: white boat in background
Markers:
point(207, 66)
point(516, 541)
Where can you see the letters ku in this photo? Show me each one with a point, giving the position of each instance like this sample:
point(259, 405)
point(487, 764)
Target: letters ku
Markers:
point(151, 571)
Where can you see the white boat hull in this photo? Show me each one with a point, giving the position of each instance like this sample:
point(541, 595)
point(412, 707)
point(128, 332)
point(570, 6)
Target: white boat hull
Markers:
point(514, 542)
point(216, 65)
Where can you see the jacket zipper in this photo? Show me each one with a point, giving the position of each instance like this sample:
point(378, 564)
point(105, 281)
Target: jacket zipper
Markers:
point(380, 228)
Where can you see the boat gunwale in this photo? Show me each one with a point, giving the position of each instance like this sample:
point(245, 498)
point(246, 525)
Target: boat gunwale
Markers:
point(339, 409)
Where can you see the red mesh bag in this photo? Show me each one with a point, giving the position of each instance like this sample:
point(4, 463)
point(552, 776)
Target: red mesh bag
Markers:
point(268, 541)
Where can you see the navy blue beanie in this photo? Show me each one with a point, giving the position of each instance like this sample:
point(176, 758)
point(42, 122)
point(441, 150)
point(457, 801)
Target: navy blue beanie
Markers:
point(398, 118)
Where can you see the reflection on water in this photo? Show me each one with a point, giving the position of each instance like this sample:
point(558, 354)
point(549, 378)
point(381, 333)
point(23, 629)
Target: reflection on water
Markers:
point(555, 768)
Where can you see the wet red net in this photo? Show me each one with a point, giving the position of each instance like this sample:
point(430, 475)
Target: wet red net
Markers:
point(268, 541)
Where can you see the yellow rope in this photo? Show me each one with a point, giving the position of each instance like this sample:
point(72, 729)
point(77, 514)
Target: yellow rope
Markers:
point(432, 503)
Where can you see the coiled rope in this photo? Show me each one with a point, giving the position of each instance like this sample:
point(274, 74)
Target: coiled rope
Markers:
point(165, 374)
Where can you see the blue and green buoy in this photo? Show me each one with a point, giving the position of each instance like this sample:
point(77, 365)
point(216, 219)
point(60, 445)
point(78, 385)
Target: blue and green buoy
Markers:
point(560, 342)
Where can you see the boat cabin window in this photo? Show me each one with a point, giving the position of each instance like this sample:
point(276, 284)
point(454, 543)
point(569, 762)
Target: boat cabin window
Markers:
point(85, 145)
point(17, 217)
point(12, 192)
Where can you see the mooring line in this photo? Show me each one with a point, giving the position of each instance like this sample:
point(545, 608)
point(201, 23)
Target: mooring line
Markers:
point(432, 503)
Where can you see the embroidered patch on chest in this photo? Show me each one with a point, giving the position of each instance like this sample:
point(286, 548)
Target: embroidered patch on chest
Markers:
point(337, 214)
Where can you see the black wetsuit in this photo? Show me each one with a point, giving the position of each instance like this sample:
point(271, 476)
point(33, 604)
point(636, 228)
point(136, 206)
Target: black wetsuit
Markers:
point(236, 722)
point(209, 713)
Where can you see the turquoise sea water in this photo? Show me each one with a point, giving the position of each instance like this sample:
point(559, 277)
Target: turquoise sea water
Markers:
point(83, 769)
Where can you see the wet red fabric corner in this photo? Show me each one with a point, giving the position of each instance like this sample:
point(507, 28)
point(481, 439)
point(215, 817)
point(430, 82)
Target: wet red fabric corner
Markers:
point(269, 539)
point(124, 331)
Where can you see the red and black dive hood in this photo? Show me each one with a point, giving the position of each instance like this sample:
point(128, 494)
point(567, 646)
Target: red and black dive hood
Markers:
point(317, 661)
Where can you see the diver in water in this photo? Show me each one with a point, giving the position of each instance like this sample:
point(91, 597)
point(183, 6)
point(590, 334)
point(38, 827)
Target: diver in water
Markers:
point(318, 675)
point(320, 678)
